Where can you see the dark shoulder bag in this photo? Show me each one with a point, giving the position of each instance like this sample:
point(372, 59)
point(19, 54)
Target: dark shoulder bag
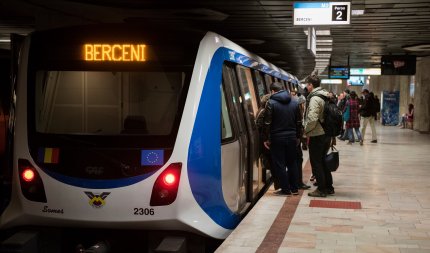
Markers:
point(332, 159)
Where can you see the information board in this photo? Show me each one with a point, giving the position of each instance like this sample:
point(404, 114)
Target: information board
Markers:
point(322, 13)
point(338, 72)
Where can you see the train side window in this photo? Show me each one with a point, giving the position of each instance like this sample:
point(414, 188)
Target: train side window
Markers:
point(284, 85)
point(245, 79)
point(268, 80)
point(261, 89)
point(226, 129)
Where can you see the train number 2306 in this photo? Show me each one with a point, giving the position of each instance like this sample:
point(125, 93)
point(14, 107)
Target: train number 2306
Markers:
point(143, 211)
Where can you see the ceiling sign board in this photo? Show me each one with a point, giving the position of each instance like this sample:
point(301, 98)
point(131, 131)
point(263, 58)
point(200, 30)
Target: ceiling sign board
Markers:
point(322, 13)
point(365, 71)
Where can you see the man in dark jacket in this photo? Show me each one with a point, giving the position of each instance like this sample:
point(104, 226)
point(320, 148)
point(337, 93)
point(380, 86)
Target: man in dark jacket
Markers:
point(284, 120)
point(368, 113)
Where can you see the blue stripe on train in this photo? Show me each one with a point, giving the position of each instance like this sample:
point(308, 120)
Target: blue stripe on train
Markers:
point(204, 157)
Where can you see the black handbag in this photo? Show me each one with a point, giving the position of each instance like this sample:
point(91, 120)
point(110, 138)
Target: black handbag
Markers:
point(332, 159)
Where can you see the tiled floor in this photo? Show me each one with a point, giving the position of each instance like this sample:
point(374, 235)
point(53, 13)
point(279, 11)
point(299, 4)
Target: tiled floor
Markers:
point(391, 180)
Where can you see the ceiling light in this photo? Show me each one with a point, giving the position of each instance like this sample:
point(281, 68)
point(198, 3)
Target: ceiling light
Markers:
point(325, 41)
point(323, 32)
point(327, 49)
point(331, 81)
point(4, 40)
point(323, 55)
point(357, 12)
point(324, 44)
point(322, 59)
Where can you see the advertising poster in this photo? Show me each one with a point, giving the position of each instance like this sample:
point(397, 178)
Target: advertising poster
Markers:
point(390, 108)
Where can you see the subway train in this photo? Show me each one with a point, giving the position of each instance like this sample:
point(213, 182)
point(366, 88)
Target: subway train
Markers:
point(117, 130)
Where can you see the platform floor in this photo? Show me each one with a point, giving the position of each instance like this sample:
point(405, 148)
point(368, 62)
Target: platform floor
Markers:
point(389, 179)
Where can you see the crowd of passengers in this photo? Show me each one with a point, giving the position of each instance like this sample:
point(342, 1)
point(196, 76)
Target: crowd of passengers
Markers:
point(290, 122)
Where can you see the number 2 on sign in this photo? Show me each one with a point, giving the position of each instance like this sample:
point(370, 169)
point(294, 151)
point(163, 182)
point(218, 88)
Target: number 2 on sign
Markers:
point(338, 15)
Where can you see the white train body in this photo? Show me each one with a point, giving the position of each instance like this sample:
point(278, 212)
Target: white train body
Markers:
point(208, 158)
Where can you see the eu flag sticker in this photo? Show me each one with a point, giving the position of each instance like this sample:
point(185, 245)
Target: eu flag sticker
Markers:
point(152, 157)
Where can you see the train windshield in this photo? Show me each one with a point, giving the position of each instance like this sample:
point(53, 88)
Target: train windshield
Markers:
point(107, 103)
point(103, 104)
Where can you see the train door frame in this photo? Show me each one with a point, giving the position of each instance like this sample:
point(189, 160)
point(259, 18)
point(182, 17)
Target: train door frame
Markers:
point(233, 99)
point(265, 171)
point(255, 170)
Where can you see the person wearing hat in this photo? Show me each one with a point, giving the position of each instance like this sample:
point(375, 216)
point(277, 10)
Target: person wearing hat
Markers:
point(368, 114)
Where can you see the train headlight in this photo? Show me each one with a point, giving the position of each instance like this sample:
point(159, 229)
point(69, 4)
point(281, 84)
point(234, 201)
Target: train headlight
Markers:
point(166, 186)
point(169, 179)
point(31, 184)
point(28, 175)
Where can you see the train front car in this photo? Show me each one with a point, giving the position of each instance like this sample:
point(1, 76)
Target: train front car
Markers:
point(102, 139)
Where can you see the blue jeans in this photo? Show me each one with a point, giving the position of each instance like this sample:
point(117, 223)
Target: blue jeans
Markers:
point(351, 134)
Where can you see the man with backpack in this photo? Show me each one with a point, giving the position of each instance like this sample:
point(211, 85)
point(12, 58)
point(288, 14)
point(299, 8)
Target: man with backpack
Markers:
point(319, 140)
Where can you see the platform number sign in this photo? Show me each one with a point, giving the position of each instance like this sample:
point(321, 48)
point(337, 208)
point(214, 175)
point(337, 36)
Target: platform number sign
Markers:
point(339, 12)
point(321, 13)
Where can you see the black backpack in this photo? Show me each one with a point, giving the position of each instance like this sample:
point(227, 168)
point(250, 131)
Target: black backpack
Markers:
point(333, 121)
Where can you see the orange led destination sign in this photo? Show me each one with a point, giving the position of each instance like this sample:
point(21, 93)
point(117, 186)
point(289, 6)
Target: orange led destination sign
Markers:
point(115, 52)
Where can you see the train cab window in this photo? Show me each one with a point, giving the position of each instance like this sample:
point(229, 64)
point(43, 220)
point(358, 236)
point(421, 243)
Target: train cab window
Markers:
point(107, 103)
point(226, 129)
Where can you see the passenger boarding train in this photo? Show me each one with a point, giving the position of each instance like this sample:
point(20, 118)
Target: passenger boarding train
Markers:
point(120, 128)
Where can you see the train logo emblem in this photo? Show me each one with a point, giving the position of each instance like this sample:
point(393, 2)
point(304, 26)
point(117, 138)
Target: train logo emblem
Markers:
point(97, 200)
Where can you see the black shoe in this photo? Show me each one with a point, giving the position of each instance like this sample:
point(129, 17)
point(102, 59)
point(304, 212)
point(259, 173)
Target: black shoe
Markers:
point(304, 187)
point(374, 141)
point(282, 193)
point(330, 192)
point(317, 193)
point(296, 192)
point(340, 138)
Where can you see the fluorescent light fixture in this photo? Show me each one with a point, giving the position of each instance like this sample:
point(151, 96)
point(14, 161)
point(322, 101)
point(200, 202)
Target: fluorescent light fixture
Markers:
point(4, 40)
point(319, 32)
point(327, 49)
point(324, 44)
point(331, 81)
point(325, 41)
point(322, 59)
point(323, 55)
point(323, 32)
point(357, 12)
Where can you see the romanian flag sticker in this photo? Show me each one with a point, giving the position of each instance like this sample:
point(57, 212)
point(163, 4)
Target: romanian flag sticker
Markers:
point(152, 157)
point(49, 155)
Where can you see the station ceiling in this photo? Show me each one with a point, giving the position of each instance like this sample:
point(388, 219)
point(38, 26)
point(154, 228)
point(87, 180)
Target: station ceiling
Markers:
point(263, 27)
